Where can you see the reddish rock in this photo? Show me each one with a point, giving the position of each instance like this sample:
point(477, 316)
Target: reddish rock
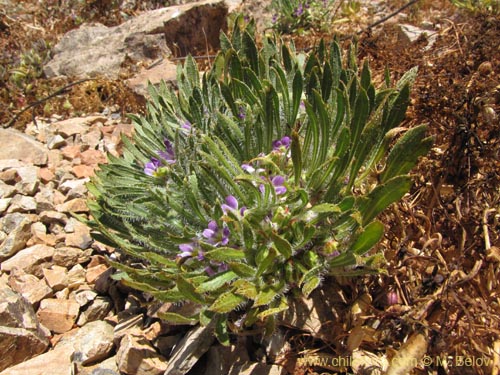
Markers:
point(76, 205)
point(71, 152)
point(46, 175)
point(82, 171)
point(56, 277)
point(136, 356)
point(93, 273)
point(93, 157)
point(58, 315)
point(30, 260)
point(30, 287)
point(69, 256)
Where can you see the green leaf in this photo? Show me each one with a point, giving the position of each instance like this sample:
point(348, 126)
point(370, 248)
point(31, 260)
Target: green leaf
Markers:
point(283, 306)
point(225, 254)
point(242, 269)
point(370, 236)
point(226, 302)
point(406, 151)
point(282, 245)
point(382, 196)
point(245, 288)
point(310, 284)
point(174, 318)
point(326, 208)
point(189, 290)
point(296, 157)
point(221, 332)
point(216, 282)
point(265, 296)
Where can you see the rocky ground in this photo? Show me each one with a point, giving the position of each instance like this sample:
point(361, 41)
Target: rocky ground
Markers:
point(60, 310)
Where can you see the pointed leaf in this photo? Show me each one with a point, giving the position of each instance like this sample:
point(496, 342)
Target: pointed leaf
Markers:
point(370, 236)
point(226, 302)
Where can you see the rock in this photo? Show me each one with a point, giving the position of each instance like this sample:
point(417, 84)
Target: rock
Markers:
point(103, 50)
point(9, 176)
point(4, 204)
point(84, 297)
point(93, 157)
point(55, 142)
point(92, 343)
point(80, 237)
point(71, 152)
point(30, 260)
point(409, 34)
point(92, 138)
point(6, 191)
point(196, 343)
point(16, 239)
point(58, 315)
point(28, 185)
point(83, 171)
point(77, 205)
point(75, 188)
point(257, 368)
point(39, 235)
point(106, 367)
point(222, 358)
point(136, 356)
point(46, 175)
point(16, 145)
point(128, 325)
point(87, 344)
point(56, 277)
point(97, 310)
point(76, 276)
point(69, 256)
point(50, 217)
point(29, 286)
point(22, 203)
point(165, 71)
point(93, 273)
point(19, 329)
point(72, 126)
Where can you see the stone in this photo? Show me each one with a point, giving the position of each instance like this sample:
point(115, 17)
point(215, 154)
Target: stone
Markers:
point(80, 237)
point(50, 217)
point(75, 188)
point(87, 344)
point(93, 157)
point(45, 199)
point(4, 204)
point(190, 349)
point(71, 126)
point(106, 367)
point(55, 142)
point(93, 273)
point(9, 176)
point(136, 356)
point(19, 329)
point(252, 368)
point(97, 310)
point(71, 152)
point(6, 191)
point(409, 34)
point(103, 50)
point(58, 315)
point(30, 260)
point(92, 138)
point(56, 277)
point(29, 286)
point(76, 276)
point(29, 180)
point(85, 297)
point(16, 145)
point(22, 203)
point(69, 256)
point(131, 324)
point(16, 238)
point(77, 205)
point(220, 358)
point(83, 171)
point(164, 71)
point(46, 175)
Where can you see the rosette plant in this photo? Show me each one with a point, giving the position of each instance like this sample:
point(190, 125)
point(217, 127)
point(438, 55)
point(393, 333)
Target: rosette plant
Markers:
point(256, 180)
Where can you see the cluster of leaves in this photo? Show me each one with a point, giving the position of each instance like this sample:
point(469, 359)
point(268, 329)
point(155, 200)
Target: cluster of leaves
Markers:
point(476, 6)
point(256, 181)
point(297, 15)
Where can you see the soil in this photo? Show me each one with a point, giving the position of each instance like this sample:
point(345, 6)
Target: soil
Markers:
point(442, 241)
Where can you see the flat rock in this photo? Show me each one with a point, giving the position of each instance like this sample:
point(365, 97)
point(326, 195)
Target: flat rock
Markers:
point(16, 145)
point(97, 310)
point(22, 203)
point(29, 286)
point(136, 356)
point(69, 256)
point(58, 315)
point(29, 260)
point(28, 185)
point(100, 50)
point(164, 71)
point(16, 239)
point(19, 328)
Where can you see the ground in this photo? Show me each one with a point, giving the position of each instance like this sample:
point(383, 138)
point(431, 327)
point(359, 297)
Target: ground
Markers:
point(442, 241)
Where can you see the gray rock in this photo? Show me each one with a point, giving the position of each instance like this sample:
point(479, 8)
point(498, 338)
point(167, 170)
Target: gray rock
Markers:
point(30, 260)
point(16, 237)
point(100, 50)
point(56, 142)
point(136, 356)
point(29, 180)
point(92, 343)
point(6, 191)
point(19, 329)
point(30, 287)
point(190, 349)
point(16, 145)
point(22, 203)
point(97, 310)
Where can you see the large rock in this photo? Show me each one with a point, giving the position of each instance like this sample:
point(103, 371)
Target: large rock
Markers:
point(30, 260)
point(16, 145)
point(17, 238)
point(100, 50)
point(58, 315)
point(136, 356)
point(88, 344)
point(19, 329)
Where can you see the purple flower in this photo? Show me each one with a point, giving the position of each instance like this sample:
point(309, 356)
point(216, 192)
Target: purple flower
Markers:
point(278, 182)
point(187, 250)
point(247, 168)
point(242, 114)
point(151, 167)
point(299, 11)
point(231, 204)
point(283, 142)
point(186, 126)
point(214, 236)
point(275, 18)
point(169, 154)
